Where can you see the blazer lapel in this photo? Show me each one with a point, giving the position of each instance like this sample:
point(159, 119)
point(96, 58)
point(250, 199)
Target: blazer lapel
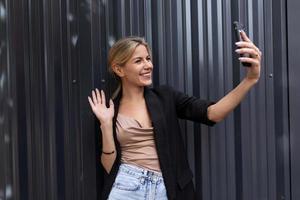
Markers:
point(158, 121)
point(162, 146)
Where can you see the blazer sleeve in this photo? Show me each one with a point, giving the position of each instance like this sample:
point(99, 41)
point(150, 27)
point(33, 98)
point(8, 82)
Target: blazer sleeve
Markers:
point(192, 108)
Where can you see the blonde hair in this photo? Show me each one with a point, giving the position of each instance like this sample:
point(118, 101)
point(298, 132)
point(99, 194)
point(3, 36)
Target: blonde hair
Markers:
point(121, 52)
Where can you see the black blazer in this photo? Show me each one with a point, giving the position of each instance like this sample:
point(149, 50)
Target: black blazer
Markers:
point(165, 106)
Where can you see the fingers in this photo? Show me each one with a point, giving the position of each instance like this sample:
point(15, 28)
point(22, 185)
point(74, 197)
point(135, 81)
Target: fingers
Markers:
point(244, 44)
point(246, 50)
point(252, 52)
point(253, 61)
point(98, 96)
point(244, 36)
point(111, 103)
point(95, 100)
point(246, 39)
point(103, 97)
point(250, 43)
point(248, 47)
point(91, 102)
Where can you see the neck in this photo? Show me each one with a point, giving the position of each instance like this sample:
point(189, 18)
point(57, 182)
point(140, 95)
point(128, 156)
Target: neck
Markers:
point(132, 93)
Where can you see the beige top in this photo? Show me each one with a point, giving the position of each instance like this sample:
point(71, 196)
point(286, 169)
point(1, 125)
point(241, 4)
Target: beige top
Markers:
point(137, 143)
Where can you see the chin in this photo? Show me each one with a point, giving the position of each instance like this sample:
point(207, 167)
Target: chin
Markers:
point(146, 83)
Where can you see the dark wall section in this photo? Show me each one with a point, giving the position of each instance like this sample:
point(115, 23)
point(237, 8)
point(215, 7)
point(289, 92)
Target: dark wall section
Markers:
point(294, 93)
point(53, 53)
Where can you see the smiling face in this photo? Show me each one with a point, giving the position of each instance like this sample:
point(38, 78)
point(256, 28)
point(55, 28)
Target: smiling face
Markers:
point(137, 71)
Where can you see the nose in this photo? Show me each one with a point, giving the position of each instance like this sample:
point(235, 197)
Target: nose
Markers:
point(148, 64)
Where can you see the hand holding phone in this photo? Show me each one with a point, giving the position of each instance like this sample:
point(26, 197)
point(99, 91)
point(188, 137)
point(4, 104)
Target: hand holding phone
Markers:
point(237, 29)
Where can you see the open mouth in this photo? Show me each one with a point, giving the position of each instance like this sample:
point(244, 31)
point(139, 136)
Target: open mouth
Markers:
point(146, 75)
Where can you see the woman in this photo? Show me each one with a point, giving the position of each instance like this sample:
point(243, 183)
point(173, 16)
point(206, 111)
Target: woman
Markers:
point(142, 150)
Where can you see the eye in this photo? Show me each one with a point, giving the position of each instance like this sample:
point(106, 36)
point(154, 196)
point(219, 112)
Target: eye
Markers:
point(148, 58)
point(138, 61)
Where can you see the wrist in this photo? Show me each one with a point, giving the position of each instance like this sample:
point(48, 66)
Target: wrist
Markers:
point(251, 81)
point(108, 152)
point(105, 125)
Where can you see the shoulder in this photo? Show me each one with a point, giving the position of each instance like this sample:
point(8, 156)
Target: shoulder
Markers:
point(168, 92)
point(162, 93)
point(163, 89)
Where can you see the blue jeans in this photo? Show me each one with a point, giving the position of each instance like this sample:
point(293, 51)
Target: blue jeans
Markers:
point(136, 183)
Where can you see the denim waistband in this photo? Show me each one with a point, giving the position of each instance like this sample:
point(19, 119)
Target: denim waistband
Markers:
point(140, 172)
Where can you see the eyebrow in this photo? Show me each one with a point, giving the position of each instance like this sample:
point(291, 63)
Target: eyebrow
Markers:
point(139, 57)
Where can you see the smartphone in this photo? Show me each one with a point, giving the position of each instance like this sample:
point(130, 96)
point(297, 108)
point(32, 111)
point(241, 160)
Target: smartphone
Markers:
point(237, 29)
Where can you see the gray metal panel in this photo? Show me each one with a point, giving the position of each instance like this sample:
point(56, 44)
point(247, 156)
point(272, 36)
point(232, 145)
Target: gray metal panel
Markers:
point(293, 7)
point(9, 178)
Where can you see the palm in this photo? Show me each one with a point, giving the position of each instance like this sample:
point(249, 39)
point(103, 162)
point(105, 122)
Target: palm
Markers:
point(99, 108)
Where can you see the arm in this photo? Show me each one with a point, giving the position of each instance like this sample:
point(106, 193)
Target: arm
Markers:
point(217, 112)
point(105, 116)
point(190, 107)
point(108, 145)
point(223, 107)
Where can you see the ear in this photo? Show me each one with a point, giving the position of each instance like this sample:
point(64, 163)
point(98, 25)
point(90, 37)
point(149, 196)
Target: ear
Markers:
point(118, 70)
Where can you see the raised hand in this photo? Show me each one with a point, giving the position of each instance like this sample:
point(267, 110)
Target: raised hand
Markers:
point(247, 47)
point(98, 105)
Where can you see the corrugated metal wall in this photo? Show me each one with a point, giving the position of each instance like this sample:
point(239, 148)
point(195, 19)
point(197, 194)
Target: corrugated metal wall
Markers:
point(294, 94)
point(54, 52)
